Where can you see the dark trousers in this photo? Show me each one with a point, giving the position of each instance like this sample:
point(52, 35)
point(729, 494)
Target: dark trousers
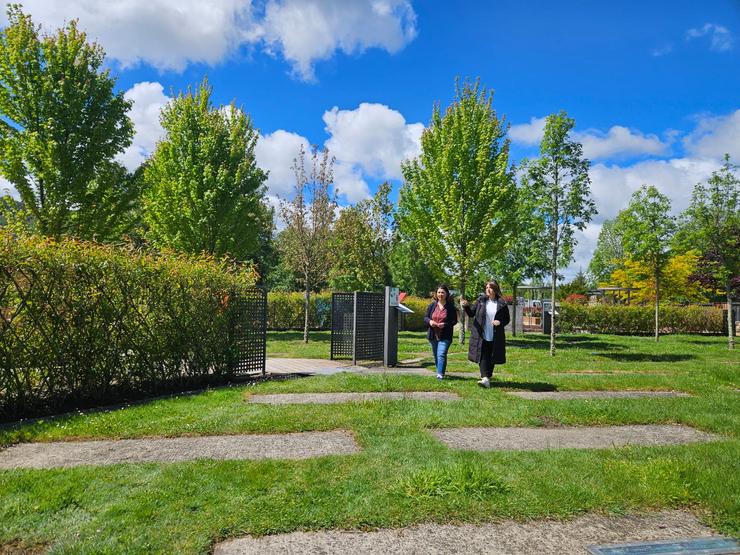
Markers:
point(486, 359)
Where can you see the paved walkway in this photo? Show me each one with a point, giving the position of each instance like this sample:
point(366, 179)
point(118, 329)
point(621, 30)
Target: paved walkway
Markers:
point(563, 395)
point(336, 398)
point(509, 537)
point(230, 447)
point(576, 437)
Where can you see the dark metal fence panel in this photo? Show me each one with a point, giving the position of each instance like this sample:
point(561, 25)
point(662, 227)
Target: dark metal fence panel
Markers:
point(342, 312)
point(248, 332)
point(369, 326)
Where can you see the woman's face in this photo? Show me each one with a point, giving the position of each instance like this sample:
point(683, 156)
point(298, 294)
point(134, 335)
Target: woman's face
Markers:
point(489, 290)
point(441, 295)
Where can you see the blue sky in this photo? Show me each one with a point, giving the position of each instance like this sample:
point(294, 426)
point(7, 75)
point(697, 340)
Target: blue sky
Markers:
point(654, 86)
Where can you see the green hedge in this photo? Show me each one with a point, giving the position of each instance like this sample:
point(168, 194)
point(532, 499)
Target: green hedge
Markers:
point(638, 320)
point(285, 311)
point(83, 324)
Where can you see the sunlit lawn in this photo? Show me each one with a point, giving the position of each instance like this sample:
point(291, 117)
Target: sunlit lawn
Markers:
point(403, 475)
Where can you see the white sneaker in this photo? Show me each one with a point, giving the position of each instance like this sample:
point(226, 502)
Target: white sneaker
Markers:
point(484, 382)
point(440, 376)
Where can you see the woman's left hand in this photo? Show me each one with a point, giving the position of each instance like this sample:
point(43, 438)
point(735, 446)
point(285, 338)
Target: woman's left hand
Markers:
point(496, 322)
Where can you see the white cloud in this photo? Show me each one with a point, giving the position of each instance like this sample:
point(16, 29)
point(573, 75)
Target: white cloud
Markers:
point(149, 99)
point(721, 37)
point(619, 141)
point(373, 137)
point(170, 34)
point(275, 153)
point(349, 182)
point(6, 188)
point(529, 134)
point(305, 31)
point(715, 136)
point(661, 50)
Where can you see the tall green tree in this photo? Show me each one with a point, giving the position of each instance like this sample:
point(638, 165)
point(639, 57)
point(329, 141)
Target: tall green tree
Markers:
point(306, 242)
point(609, 253)
point(204, 190)
point(456, 195)
point(712, 224)
point(61, 125)
point(559, 185)
point(522, 259)
point(361, 243)
point(647, 228)
point(408, 269)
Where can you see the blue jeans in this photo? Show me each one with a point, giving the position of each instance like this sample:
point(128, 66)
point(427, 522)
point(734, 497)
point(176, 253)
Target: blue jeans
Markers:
point(439, 351)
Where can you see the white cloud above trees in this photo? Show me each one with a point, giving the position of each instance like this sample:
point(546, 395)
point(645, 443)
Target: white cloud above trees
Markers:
point(171, 34)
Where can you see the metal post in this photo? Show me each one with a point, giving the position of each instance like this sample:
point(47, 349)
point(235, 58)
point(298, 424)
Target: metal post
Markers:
point(354, 330)
point(390, 328)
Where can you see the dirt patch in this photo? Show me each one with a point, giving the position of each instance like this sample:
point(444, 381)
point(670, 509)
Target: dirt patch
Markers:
point(335, 398)
point(565, 395)
point(232, 447)
point(573, 437)
point(508, 537)
point(21, 548)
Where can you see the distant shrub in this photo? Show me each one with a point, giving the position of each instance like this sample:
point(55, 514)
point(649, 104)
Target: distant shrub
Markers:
point(285, 310)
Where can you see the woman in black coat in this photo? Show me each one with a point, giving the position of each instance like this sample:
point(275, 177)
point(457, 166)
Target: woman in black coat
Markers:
point(440, 318)
point(487, 339)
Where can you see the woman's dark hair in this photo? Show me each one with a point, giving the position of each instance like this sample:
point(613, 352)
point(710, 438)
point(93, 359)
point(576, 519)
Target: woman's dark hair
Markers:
point(493, 284)
point(448, 299)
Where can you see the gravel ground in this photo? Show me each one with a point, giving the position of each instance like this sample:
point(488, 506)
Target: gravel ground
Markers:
point(334, 398)
point(546, 395)
point(508, 537)
point(230, 447)
point(596, 437)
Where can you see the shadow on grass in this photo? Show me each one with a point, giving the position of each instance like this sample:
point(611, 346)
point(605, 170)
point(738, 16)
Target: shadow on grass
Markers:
point(645, 357)
point(497, 383)
point(570, 343)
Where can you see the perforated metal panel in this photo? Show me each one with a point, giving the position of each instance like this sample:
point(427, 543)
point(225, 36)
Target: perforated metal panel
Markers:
point(342, 313)
point(248, 332)
point(369, 326)
point(357, 326)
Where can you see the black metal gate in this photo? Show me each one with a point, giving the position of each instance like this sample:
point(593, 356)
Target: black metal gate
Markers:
point(357, 324)
point(248, 332)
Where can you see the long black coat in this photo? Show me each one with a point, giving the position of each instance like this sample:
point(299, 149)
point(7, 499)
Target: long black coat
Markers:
point(477, 311)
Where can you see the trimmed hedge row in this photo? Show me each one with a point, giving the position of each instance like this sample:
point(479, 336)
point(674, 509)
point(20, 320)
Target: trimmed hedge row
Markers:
point(639, 320)
point(82, 324)
point(285, 311)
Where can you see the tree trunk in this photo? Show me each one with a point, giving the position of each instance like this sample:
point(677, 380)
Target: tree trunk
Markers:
point(730, 327)
point(305, 322)
point(513, 316)
point(657, 302)
point(552, 311)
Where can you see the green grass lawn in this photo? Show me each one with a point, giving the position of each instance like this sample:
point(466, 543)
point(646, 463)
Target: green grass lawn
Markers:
point(403, 475)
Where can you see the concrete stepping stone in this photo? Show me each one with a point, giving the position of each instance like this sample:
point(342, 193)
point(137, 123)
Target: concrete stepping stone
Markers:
point(563, 395)
point(575, 437)
point(335, 398)
point(231, 447)
point(547, 537)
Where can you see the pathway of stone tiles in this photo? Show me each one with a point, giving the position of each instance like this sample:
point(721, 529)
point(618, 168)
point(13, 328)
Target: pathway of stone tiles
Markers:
point(575, 437)
point(322, 367)
point(564, 395)
point(229, 447)
point(336, 398)
point(511, 538)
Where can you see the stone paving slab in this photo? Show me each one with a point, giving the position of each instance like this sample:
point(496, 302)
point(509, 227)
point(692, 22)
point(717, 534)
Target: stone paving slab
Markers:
point(336, 398)
point(576, 437)
point(230, 447)
point(505, 538)
point(562, 395)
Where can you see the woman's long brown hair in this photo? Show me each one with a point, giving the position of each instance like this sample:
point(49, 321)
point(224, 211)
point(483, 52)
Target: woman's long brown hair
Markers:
point(493, 284)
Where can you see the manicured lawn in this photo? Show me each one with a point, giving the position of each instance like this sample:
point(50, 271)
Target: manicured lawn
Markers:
point(403, 475)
